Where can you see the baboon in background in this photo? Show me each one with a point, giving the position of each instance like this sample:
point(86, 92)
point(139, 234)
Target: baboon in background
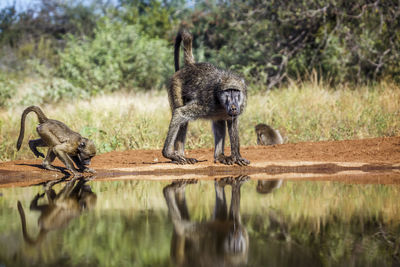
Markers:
point(60, 209)
point(202, 91)
point(62, 142)
point(266, 135)
point(222, 241)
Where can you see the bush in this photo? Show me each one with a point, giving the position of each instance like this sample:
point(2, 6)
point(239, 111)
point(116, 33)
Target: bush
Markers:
point(119, 56)
point(7, 89)
point(345, 42)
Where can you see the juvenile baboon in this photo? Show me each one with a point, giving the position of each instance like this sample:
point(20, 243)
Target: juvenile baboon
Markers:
point(266, 135)
point(202, 91)
point(60, 209)
point(221, 241)
point(62, 142)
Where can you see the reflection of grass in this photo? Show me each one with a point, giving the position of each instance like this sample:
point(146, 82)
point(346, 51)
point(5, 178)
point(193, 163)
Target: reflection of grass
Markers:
point(308, 112)
point(338, 222)
point(130, 225)
point(319, 202)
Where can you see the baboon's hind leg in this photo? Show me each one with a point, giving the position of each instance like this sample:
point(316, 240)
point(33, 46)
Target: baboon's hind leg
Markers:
point(181, 139)
point(33, 144)
point(180, 117)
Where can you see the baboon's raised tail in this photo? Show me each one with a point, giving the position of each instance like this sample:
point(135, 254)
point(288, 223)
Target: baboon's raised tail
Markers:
point(187, 38)
point(42, 118)
point(203, 91)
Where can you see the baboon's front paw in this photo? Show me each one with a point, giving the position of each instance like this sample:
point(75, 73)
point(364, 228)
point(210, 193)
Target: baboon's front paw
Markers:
point(178, 159)
point(224, 159)
point(191, 160)
point(241, 161)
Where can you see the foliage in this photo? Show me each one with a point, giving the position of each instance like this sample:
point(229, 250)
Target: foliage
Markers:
point(267, 41)
point(272, 40)
point(7, 89)
point(154, 17)
point(119, 56)
point(36, 33)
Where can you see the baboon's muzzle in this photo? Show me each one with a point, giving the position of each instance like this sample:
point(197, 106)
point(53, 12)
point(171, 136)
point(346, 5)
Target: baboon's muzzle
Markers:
point(233, 110)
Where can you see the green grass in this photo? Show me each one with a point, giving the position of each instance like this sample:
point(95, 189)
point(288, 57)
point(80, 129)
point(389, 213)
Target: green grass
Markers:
point(305, 112)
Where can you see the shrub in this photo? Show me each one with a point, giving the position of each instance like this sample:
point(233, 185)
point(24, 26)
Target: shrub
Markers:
point(118, 56)
point(7, 89)
point(268, 41)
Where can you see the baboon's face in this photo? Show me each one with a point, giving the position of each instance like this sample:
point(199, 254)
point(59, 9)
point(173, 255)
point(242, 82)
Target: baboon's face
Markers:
point(262, 139)
point(86, 151)
point(232, 100)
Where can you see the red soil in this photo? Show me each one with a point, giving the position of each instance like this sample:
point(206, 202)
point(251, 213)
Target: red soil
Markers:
point(376, 156)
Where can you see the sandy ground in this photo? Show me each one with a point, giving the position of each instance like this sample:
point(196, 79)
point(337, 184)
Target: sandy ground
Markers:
point(374, 160)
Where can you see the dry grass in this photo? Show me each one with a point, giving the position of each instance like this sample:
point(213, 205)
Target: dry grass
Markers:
point(305, 112)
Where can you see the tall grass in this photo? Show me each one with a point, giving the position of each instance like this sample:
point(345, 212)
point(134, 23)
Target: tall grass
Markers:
point(306, 112)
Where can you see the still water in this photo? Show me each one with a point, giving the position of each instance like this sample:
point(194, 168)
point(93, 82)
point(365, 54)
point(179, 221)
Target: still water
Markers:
point(234, 221)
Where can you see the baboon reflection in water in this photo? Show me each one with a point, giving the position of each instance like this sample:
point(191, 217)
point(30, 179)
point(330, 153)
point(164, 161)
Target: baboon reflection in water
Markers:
point(267, 186)
point(60, 209)
point(277, 225)
point(222, 241)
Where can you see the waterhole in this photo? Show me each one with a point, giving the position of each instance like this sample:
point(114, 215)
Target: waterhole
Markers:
point(231, 220)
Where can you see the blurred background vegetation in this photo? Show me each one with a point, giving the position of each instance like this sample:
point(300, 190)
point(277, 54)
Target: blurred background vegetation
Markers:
point(317, 70)
point(82, 48)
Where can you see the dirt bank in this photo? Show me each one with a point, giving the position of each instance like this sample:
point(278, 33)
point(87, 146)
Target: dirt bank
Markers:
point(377, 157)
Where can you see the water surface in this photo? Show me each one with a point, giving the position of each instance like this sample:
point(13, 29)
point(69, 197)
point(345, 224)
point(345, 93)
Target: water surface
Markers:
point(235, 221)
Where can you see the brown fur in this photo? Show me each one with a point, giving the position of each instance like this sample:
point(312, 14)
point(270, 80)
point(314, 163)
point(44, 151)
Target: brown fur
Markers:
point(266, 135)
point(67, 145)
point(60, 209)
point(203, 91)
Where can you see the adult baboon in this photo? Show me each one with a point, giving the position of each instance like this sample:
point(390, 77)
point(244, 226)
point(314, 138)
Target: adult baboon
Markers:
point(221, 241)
point(62, 142)
point(202, 91)
point(61, 207)
point(266, 135)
